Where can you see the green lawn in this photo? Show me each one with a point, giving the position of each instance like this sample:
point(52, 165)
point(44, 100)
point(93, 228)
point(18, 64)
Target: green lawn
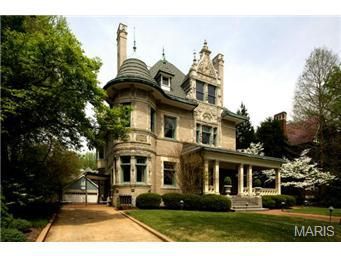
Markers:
point(213, 226)
point(316, 210)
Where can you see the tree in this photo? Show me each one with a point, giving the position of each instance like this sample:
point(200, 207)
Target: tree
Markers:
point(270, 134)
point(254, 149)
point(244, 131)
point(88, 159)
point(301, 173)
point(190, 174)
point(46, 83)
point(312, 96)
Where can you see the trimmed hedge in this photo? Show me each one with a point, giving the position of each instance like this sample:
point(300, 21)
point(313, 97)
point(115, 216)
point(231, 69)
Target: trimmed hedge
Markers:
point(12, 235)
point(148, 201)
point(275, 202)
point(196, 202)
point(215, 203)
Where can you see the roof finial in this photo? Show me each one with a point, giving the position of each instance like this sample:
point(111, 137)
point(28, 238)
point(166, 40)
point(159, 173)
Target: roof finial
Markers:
point(194, 56)
point(163, 55)
point(134, 47)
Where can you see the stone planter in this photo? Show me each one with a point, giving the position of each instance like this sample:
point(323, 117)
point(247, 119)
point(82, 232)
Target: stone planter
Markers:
point(227, 189)
point(258, 190)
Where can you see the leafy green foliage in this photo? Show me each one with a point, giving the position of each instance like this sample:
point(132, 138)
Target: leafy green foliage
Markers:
point(88, 159)
point(148, 201)
point(12, 235)
point(20, 224)
point(275, 202)
point(270, 134)
point(196, 202)
point(244, 131)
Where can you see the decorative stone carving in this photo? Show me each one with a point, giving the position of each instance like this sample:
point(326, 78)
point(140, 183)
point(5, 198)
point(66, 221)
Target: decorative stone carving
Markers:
point(141, 138)
point(206, 67)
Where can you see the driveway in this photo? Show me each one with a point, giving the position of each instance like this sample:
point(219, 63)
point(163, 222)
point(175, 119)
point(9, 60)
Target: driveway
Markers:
point(96, 223)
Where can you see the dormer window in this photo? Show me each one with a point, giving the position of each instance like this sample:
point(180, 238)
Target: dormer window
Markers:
point(165, 82)
point(211, 94)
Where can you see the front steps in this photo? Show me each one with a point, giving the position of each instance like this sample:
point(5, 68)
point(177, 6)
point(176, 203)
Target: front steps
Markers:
point(246, 203)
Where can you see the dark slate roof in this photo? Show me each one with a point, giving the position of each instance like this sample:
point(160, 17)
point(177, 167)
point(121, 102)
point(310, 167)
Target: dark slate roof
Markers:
point(134, 69)
point(177, 79)
point(227, 112)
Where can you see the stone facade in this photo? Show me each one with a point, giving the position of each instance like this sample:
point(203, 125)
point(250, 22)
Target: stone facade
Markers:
point(169, 110)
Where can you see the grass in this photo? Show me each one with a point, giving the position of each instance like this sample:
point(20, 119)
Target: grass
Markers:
point(316, 210)
point(198, 226)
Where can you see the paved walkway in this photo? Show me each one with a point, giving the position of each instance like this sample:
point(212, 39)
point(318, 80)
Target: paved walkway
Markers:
point(96, 223)
point(302, 215)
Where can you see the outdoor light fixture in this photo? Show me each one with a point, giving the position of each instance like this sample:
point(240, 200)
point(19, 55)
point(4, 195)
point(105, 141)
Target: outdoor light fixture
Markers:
point(331, 209)
point(283, 204)
point(182, 204)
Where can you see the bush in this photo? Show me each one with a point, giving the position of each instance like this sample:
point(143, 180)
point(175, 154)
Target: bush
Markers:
point(20, 224)
point(172, 200)
point(148, 201)
point(268, 202)
point(275, 202)
point(12, 235)
point(192, 201)
point(216, 203)
point(257, 183)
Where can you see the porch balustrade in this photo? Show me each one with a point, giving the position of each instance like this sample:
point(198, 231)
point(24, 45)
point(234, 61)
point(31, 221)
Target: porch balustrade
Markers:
point(263, 192)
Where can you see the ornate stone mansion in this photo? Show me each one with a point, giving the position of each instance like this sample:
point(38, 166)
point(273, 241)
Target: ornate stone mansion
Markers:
point(173, 114)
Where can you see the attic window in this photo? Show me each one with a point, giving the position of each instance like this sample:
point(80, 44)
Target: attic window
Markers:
point(165, 82)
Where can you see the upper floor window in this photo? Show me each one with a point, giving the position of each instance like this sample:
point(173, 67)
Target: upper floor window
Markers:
point(169, 173)
point(101, 153)
point(152, 120)
point(211, 94)
point(141, 169)
point(169, 127)
point(199, 90)
point(206, 134)
point(125, 167)
point(165, 81)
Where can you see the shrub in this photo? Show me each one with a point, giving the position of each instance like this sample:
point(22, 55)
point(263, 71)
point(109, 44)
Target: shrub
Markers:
point(148, 201)
point(257, 183)
point(216, 203)
point(227, 181)
point(12, 235)
point(192, 202)
point(20, 224)
point(275, 202)
point(268, 202)
point(172, 200)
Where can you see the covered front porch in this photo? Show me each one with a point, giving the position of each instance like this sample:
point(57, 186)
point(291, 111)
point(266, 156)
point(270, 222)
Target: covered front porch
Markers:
point(240, 167)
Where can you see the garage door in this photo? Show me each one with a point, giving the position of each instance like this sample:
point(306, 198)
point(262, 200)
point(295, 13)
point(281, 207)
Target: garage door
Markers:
point(80, 197)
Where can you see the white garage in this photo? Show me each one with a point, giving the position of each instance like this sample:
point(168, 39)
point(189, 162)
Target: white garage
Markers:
point(76, 191)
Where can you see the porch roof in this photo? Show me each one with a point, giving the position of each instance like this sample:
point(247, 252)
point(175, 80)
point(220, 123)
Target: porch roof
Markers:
point(235, 156)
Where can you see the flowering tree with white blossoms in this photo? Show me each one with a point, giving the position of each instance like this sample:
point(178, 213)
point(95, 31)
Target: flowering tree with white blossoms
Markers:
point(301, 173)
point(254, 149)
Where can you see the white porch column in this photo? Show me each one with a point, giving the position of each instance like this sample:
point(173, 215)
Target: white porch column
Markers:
point(278, 181)
point(216, 177)
point(240, 179)
point(249, 180)
point(206, 177)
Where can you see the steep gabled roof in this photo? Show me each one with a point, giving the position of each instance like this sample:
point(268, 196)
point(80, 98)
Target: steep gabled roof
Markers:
point(177, 77)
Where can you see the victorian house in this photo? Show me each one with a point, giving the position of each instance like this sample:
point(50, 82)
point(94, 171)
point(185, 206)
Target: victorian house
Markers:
point(176, 113)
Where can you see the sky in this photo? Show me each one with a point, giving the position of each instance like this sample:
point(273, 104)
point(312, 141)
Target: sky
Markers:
point(264, 55)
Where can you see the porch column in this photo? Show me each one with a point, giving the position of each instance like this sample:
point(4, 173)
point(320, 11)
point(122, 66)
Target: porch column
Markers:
point(216, 177)
point(240, 179)
point(249, 180)
point(278, 181)
point(206, 177)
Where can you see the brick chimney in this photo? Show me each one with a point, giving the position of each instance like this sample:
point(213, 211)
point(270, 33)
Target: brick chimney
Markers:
point(121, 44)
point(282, 118)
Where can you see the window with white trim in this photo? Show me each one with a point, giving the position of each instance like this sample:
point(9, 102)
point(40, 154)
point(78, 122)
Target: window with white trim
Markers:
point(125, 168)
point(206, 134)
point(141, 166)
point(169, 172)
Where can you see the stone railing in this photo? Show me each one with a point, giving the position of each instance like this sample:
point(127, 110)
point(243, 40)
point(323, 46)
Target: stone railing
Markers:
point(263, 192)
